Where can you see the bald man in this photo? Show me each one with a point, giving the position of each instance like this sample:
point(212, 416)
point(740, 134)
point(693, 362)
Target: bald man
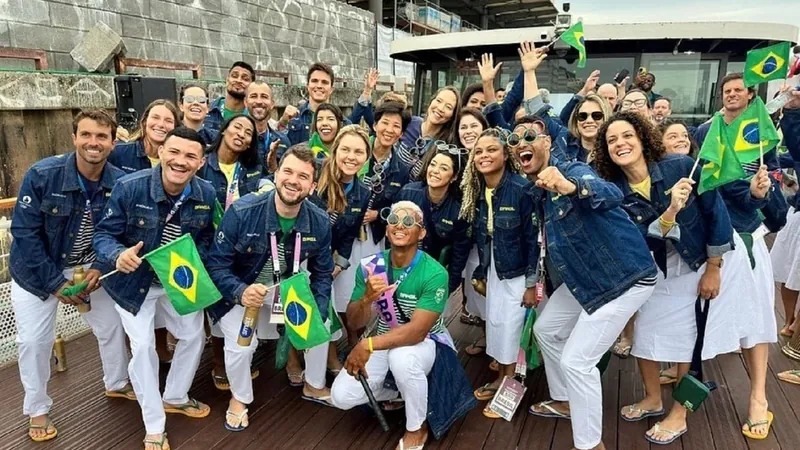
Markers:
point(609, 92)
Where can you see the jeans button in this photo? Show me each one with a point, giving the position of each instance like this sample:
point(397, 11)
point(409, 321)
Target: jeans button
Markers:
point(141, 291)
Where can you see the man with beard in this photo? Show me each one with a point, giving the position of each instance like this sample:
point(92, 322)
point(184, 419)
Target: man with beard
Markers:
point(662, 109)
point(736, 98)
point(148, 209)
point(259, 103)
point(193, 104)
point(263, 239)
point(60, 202)
point(239, 78)
point(646, 81)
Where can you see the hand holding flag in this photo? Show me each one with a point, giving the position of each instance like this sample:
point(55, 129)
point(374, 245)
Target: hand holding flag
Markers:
point(760, 183)
point(128, 261)
point(574, 38)
point(253, 296)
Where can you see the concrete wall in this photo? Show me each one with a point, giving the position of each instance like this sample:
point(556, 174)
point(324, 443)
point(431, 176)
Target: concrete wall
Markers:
point(278, 35)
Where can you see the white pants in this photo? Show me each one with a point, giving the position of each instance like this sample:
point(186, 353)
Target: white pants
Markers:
point(410, 367)
point(143, 369)
point(572, 343)
point(36, 333)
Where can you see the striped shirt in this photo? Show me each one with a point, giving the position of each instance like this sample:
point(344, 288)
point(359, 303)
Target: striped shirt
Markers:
point(172, 231)
point(266, 275)
point(648, 281)
point(82, 250)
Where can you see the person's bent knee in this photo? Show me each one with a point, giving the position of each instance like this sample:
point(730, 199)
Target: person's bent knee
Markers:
point(341, 395)
point(405, 361)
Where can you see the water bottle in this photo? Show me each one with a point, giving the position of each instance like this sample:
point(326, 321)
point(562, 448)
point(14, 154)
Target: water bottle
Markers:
point(60, 354)
point(249, 323)
point(779, 101)
point(78, 276)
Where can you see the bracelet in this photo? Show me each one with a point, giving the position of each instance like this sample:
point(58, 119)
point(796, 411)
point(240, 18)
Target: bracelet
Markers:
point(369, 342)
point(665, 223)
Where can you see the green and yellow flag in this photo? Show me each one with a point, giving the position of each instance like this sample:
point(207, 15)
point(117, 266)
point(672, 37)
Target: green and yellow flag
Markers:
point(752, 129)
point(303, 321)
point(723, 166)
point(183, 275)
point(574, 38)
point(318, 147)
point(766, 64)
point(219, 211)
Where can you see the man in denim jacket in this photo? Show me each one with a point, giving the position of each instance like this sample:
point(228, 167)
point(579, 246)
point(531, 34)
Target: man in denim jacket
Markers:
point(59, 203)
point(241, 264)
point(148, 209)
point(239, 78)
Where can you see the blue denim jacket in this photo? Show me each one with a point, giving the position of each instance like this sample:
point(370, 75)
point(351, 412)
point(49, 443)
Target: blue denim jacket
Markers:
point(207, 135)
point(569, 147)
point(744, 209)
point(514, 240)
point(136, 212)
point(584, 232)
point(703, 228)
point(444, 229)
point(265, 141)
point(46, 220)
point(502, 114)
point(399, 175)
point(129, 156)
point(214, 117)
point(242, 247)
point(298, 130)
point(345, 231)
point(248, 178)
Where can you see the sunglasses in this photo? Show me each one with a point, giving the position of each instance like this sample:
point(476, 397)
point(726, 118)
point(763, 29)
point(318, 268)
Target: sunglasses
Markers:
point(402, 218)
point(528, 137)
point(596, 116)
point(195, 99)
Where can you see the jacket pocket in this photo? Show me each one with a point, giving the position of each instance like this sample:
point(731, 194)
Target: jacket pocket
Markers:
point(141, 228)
point(56, 215)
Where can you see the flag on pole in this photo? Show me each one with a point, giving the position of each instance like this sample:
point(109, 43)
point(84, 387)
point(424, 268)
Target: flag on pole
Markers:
point(304, 325)
point(574, 38)
point(752, 129)
point(723, 166)
point(219, 211)
point(183, 275)
point(318, 147)
point(766, 64)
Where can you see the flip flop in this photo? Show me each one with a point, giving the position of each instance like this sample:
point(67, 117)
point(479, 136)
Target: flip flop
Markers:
point(790, 376)
point(750, 425)
point(184, 409)
point(476, 349)
point(482, 393)
point(643, 413)
point(470, 319)
point(296, 379)
point(50, 431)
point(160, 443)
point(622, 351)
point(494, 366)
point(325, 400)
point(220, 381)
point(242, 418)
point(550, 412)
point(126, 393)
point(401, 445)
point(674, 435)
point(394, 404)
point(665, 378)
point(786, 332)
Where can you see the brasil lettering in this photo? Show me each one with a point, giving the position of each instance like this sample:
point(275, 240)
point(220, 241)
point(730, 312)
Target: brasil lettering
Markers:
point(385, 305)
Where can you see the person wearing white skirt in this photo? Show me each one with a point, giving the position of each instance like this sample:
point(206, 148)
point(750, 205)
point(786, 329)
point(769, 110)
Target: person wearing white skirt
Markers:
point(785, 258)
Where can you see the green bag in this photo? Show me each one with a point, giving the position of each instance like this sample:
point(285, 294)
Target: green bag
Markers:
point(282, 351)
point(528, 341)
point(691, 392)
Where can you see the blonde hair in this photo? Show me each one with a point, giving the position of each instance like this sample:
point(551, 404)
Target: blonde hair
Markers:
point(139, 133)
point(472, 181)
point(329, 185)
point(573, 118)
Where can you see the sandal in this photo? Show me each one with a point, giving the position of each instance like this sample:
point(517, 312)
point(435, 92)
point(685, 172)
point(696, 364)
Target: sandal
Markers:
point(126, 393)
point(487, 412)
point(243, 419)
point(476, 348)
point(666, 378)
point(48, 427)
point(325, 400)
point(485, 392)
point(494, 366)
point(790, 376)
point(161, 444)
point(470, 319)
point(673, 435)
point(787, 332)
point(749, 433)
point(296, 379)
point(402, 446)
point(622, 351)
point(394, 404)
point(639, 413)
point(203, 410)
point(548, 412)
point(221, 381)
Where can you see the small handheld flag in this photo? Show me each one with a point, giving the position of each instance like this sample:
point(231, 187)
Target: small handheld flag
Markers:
point(723, 166)
point(753, 131)
point(183, 275)
point(219, 212)
point(318, 147)
point(304, 325)
point(574, 38)
point(766, 64)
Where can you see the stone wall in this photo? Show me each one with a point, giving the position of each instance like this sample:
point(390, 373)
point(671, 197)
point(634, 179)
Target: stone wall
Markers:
point(277, 35)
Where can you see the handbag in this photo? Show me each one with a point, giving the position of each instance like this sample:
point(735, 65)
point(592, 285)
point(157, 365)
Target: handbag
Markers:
point(691, 391)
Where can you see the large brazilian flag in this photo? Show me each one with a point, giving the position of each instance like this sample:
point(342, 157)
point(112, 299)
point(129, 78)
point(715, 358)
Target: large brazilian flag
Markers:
point(303, 321)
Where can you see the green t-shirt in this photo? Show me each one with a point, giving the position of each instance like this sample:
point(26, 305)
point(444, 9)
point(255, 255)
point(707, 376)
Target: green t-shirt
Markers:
point(286, 225)
point(425, 287)
point(228, 113)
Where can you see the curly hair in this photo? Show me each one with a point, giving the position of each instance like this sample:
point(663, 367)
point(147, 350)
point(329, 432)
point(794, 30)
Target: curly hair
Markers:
point(648, 134)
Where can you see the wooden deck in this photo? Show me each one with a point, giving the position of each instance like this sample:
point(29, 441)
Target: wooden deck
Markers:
point(281, 420)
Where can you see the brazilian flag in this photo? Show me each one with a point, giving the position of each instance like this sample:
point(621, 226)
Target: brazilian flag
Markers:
point(574, 38)
point(766, 64)
point(752, 131)
point(219, 212)
point(183, 275)
point(318, 147)
point(723, 166)
point(303, 321)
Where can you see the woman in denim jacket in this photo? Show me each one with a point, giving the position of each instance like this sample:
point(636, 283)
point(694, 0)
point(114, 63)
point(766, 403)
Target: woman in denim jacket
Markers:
point(688, 234)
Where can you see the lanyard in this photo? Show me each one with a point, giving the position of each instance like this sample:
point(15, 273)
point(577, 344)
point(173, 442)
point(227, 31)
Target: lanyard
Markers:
point(276, 265)
point(390, 274)
point(85, 195)
point(233, 187)
point(185, 194)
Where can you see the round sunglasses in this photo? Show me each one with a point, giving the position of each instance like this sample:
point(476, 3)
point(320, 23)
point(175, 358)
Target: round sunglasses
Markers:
point(596, 116)
point(402, 218)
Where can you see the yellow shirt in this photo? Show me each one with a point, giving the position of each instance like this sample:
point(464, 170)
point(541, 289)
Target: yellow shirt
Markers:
point(228, 170)
point(153, 161)
point(490, 225)
point(642, 188)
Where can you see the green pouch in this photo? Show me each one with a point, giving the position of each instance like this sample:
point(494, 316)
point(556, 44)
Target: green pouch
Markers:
point(282, 352)
point(528, 341)
point(691, 392)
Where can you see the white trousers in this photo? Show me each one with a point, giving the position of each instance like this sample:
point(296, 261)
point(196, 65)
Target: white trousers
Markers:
point(572, 343)
point(36, 333)
point(143, 369)
point(410, 367)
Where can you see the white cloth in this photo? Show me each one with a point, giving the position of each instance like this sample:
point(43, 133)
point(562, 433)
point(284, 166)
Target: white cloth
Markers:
point(476, 303)
point(410, 367)
point(762, 297)
point(505, 316)
point(143, 368)
point(572, 343)
point(785, 254)
point(36, 333)
point(345, 283)
point(666, 327)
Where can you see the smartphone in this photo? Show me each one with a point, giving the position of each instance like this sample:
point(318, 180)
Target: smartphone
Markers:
point(621, 76)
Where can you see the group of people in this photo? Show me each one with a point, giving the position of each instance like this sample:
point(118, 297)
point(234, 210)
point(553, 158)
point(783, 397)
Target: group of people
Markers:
point(594, 210)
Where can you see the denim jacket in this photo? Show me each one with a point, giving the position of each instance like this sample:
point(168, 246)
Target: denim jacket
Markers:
point(298, 129)
point(265, 141)
point(399, 175)
point(345, 230)
point(214, 117)
point(136, 212)
point(130, 156)
point(514, 239)
point(702, 228)
point(444, 229)
point(502, 114)
point(248, 178)
point(46, 220)
point(569, 146)
point(744, 209)
point(242, 247)
point(594, 246)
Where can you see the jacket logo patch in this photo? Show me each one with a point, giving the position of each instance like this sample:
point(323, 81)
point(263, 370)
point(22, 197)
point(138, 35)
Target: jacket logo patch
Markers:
point(309, 239)
point(109, 213)
point(202, 208)
point(253, 174)
point(108, 194)
point(448, 222)
point(55, 194)
point(507, 208)
point(26, 199)
point(220, 237)
point(394, 184)
point(355, 210)
point(139, 205)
